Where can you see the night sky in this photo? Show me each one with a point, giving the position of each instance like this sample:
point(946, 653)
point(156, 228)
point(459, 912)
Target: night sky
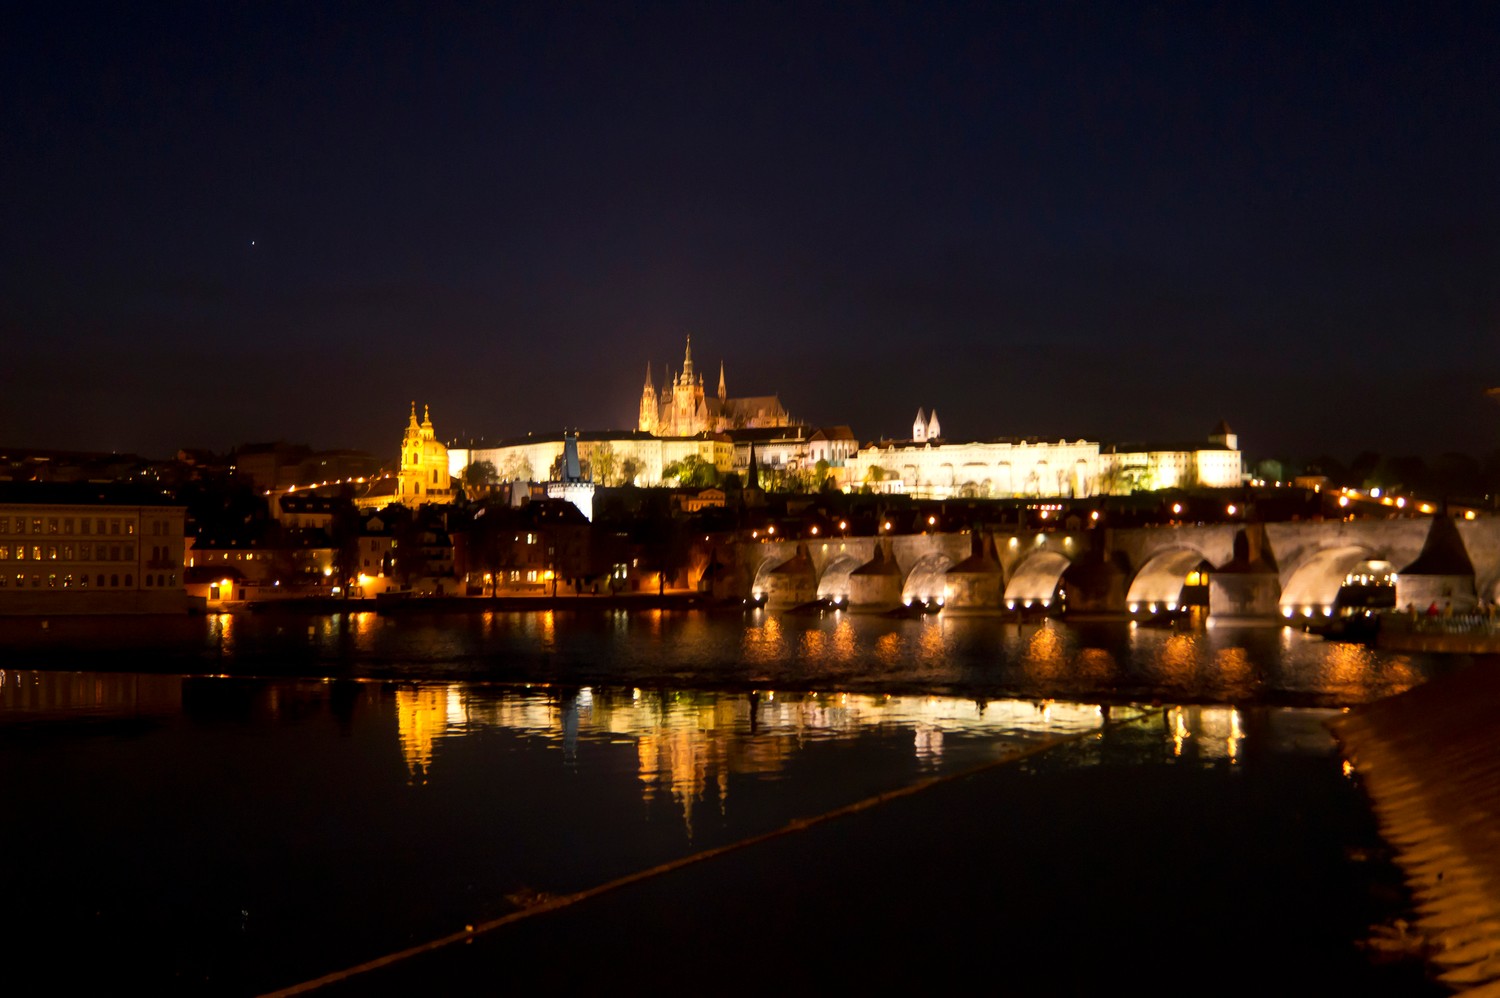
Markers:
point(229, 223)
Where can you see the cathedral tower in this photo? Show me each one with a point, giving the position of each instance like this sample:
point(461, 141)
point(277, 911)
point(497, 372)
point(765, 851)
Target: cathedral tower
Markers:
point(650, 419)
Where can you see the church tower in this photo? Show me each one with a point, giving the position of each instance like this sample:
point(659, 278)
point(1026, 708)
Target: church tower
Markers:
point(423, 477)
point(650, 419)
point(723, 392)
point(919, 426)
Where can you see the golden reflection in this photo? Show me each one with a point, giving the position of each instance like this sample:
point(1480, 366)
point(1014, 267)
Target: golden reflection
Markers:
point(844, 645)
point(1177, 658)
point(1399, 674)
point(1043, 654)
point(422, 716)
point(1233, 664)
point(1179, 728)
point(813, 644)
point(889, 649)
point(549, 628)
point(221, 631)
point(364, 623)
point(690, 747)
point(764, 642)
point(930, 645)
point(1095, 665)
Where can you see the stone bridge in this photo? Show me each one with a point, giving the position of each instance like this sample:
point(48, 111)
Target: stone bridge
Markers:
point(1251, 570)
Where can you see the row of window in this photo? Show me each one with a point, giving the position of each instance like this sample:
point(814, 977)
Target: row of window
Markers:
point(85, 525)
point(78, 552)
point(81, 581)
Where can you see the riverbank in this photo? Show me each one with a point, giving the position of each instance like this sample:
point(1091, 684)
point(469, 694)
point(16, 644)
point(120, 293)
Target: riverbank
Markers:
point(392, 603)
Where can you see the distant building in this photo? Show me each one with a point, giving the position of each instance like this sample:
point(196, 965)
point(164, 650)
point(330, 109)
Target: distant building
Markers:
point(683, 409)
point(87, 548)
point(1144, 468)
point(424, 475)
point(935, 468)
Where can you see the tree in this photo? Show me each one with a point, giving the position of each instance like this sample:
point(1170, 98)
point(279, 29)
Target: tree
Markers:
point(630, 468)
point(517, 468)
point(665, 545)
point(479, 473)
point(602, 457)
point(345, 529)
point(692, 471)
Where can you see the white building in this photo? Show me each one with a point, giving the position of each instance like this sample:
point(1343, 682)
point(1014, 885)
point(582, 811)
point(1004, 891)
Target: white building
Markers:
point(932, 468)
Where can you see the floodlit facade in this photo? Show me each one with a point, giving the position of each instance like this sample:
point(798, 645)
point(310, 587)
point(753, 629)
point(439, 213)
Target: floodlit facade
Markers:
point(978, 469)
point(683, 409)
point(940, 469)
point(79, 548)
point(425, 475)
point(613, 457)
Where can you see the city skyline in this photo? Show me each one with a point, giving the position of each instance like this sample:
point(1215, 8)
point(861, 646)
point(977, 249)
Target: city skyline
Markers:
point(242, 224)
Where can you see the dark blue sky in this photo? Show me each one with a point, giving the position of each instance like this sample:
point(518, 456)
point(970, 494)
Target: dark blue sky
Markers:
point(1119, 222)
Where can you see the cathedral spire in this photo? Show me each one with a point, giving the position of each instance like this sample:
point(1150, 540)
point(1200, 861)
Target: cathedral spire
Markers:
point(649, 386)
point(412, 420)
point(723, 392)
point(687, 361)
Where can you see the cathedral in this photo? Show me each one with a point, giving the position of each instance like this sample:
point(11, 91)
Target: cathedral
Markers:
point(683, 409)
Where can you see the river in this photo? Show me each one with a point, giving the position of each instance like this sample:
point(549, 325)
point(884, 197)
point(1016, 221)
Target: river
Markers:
point(232, 804)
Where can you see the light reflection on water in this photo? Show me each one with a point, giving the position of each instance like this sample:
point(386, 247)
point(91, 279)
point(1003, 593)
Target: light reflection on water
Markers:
point(978, 656)
point(268, 802)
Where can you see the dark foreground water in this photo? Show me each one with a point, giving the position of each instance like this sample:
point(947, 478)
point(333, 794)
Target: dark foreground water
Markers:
point(232, 805)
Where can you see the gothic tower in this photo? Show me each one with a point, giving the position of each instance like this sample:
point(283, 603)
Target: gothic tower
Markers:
point(650, 419)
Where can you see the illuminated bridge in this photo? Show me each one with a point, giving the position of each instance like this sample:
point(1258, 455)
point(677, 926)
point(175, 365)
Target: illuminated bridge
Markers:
point(1303, 569)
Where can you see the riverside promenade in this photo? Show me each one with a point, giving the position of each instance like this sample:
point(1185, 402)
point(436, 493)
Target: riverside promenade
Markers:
point(1100, 864)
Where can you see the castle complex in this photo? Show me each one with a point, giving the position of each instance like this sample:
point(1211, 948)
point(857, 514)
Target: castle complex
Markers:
point(683, 409)
point(683, 423)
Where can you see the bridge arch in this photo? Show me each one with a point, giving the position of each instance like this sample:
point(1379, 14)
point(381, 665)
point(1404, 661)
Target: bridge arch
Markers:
point(1313, 586)
point(927, 579)
point(834, 583)
point(1035, 580)
point(762, 583)
point(1158, 585)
